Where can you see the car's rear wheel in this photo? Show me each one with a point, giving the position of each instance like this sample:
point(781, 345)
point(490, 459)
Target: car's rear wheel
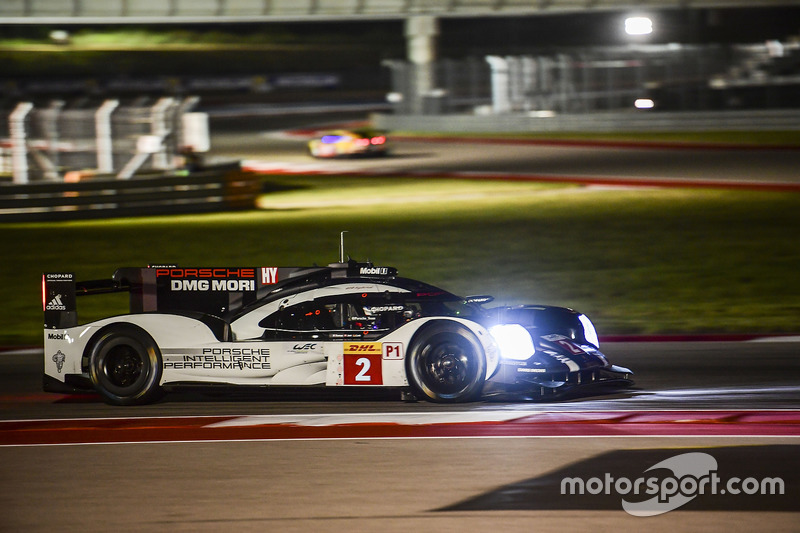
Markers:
point(446, 363)
point(125, 365)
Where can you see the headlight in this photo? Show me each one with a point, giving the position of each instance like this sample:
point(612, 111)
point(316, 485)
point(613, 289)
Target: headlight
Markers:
point(589, 333)
point(514, 341)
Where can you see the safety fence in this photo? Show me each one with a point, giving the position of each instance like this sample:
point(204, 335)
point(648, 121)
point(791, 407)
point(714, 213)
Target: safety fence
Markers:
point(51, 143)
point(218, 188)
point(670, 77)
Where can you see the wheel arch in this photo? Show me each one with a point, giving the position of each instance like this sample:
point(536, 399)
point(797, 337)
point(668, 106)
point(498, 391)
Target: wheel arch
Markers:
point(100, 333)
point(432, 323)
point(487, 342)
point(131, 376)
point(446, 325)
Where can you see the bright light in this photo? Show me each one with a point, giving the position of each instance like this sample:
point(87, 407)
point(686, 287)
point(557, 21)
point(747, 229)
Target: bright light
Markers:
point(378, 140)
point(514, 341)
point(638, 26)
point(59, 36)
point(589, 333)
point(644, 103)
point(394, 98)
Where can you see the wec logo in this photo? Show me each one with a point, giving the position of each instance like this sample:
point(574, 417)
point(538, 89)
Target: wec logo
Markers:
point(692, 474)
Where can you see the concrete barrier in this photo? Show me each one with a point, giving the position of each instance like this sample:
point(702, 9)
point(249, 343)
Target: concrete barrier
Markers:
point(218, 188)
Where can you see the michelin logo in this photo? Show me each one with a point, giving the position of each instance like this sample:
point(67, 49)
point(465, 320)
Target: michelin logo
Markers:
point(59, 359)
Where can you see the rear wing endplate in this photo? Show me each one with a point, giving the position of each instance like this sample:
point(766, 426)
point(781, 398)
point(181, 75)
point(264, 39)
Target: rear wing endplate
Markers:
point(59, 291)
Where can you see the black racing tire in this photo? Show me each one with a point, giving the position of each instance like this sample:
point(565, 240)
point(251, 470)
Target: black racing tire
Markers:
point(446, 363)
point(125, 365)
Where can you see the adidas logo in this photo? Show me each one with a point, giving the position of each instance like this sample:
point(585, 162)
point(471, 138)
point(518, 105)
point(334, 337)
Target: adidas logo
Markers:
point(56, 304)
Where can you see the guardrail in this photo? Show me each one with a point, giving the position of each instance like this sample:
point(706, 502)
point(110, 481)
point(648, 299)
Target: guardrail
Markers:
point(220, 188)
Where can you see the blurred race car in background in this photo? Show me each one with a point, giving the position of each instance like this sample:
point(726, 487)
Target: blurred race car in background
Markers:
point(342, 143)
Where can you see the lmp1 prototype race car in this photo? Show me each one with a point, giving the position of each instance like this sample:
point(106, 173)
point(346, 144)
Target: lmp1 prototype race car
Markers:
point(347, 324)
point(342, 143)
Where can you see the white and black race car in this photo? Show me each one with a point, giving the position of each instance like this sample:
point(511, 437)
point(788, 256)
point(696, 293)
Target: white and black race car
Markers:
point(347, 324)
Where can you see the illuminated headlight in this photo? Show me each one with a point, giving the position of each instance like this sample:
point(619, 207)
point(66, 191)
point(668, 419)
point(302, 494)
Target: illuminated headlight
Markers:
point(589, 333)
point(513, 340)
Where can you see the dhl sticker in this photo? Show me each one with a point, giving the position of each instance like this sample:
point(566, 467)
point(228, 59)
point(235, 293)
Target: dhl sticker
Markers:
point(360, 348)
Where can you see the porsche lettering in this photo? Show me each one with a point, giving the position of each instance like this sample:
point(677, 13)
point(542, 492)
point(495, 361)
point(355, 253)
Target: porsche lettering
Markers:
point(206, 273)
point(236, 351)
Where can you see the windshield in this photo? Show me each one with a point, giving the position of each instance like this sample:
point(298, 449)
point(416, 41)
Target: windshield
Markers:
point(425, 300)
point(434, 307)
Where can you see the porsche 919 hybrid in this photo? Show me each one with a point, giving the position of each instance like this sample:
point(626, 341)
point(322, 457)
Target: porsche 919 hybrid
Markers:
point(347, 324)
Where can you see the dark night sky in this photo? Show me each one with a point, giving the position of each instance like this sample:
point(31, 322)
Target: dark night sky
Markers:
point(576, 29)
point(604, 28)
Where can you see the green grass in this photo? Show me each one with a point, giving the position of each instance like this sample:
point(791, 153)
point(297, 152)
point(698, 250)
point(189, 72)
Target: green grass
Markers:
point(93, 52)
point(636, 261)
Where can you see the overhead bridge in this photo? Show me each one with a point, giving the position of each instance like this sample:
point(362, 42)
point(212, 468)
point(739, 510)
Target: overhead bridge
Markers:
point(216, 11)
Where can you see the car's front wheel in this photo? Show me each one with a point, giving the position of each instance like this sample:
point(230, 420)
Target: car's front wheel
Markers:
point(125, 365)
point(446, 363)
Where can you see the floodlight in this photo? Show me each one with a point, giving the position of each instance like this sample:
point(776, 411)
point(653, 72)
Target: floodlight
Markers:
point(638, 26)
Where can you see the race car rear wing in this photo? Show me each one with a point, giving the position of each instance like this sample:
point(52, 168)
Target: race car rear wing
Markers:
point(213, 291)
point(58, 300)
point(220, 291)
point(59, 293)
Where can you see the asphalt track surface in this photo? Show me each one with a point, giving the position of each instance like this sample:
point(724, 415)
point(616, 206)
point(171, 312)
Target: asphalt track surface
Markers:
point(339, 461)
point(335, 461)
point(280, 151)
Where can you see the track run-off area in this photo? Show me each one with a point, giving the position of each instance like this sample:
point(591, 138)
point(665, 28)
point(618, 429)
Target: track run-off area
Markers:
point(339, 460)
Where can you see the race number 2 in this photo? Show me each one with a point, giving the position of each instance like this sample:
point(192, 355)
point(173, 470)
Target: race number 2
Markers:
point(363, 364)
point(363, 370)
